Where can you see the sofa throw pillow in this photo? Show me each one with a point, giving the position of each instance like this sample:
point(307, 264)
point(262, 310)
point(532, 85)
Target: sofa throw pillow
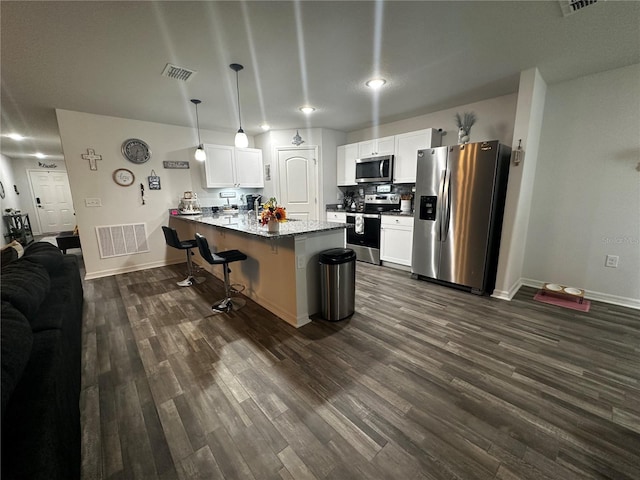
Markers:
point(11, 252)
point(24, 285)
point(46, 254)
point(16, 339)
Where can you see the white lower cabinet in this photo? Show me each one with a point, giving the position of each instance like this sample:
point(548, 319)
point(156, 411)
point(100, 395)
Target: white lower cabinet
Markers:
point(396, 239)
point(337, 217)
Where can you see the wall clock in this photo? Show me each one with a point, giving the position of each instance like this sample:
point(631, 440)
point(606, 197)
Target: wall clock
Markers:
point(123, 177)
point(135, 150)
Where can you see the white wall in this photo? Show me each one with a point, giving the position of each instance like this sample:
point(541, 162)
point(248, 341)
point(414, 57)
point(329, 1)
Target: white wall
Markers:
point(587, 188)
point(495, 122)
point(11, 200)
point(122, 205)
point(527, 126)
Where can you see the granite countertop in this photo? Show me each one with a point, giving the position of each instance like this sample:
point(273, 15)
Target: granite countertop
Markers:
point(242, 223)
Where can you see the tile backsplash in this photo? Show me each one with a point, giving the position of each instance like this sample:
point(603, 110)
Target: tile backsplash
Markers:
point(356, 193)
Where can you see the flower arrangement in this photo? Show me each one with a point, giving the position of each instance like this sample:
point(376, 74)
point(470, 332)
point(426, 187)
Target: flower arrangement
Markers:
point(272, 211)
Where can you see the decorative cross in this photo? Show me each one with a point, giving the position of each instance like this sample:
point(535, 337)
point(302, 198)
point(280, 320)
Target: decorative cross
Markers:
point(92, 157)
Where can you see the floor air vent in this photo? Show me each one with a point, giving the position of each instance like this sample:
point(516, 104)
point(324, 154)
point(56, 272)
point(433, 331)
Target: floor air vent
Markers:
point(570, 7)
point(119, 240)
point(178, 73)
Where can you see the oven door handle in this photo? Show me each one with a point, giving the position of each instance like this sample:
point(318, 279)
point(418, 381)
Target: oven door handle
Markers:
point(364, 215)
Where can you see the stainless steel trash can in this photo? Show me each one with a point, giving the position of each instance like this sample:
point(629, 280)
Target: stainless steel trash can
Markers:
point(338, 283)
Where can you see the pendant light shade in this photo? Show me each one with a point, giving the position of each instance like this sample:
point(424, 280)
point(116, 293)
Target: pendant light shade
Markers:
point(200, 155)
point(241, 140)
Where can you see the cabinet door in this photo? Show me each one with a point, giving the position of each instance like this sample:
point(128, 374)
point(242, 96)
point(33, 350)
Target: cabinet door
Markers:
point(248, 168)
point(377, 146)
point(366, 149)
point(347, 155)
point(386, 146)
point(396, 241)
point(407, 146)
point(219, 167)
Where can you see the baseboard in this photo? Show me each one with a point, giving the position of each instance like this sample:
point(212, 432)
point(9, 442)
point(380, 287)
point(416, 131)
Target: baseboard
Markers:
point(129, 269)
point(508, 294)
point(592, 295)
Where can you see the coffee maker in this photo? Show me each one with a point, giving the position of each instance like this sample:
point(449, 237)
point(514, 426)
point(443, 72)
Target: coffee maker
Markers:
point(251, 200)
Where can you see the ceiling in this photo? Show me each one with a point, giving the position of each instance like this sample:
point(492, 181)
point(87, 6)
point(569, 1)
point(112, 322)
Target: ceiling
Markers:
point(107, 58)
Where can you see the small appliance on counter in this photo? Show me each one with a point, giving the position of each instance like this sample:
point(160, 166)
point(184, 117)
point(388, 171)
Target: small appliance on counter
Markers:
point(189, 204)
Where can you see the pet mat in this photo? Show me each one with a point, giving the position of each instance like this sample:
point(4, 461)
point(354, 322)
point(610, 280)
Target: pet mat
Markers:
point(563, 302)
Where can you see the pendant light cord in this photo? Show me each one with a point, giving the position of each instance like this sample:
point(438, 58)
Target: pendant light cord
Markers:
point(198, 125)
point(238, 90)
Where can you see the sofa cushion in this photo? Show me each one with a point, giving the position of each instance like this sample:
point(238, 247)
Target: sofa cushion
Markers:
point(16, 341)
point(24, 285)
point(45, 254)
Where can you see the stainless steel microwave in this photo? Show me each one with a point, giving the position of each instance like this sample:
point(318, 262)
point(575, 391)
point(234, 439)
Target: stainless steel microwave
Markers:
point(374, 169)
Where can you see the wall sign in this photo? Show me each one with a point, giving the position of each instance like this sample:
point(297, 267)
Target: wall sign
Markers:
point(154, 181)
point(175, 164)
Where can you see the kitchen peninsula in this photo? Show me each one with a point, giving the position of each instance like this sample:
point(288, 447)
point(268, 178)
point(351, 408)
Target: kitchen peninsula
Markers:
point(281, 272)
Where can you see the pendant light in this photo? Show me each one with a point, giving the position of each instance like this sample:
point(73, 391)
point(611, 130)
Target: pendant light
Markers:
point(241, 139)
point(200, 155)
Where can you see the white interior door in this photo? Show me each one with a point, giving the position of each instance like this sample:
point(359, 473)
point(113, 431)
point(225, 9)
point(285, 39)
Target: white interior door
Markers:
point(52, 198)
point(297, 172)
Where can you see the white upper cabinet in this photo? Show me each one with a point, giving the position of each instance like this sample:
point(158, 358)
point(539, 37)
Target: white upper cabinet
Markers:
point(347, 156)
point(377, 146)
point(233, 167)
point(406, 156)
point(249, 170)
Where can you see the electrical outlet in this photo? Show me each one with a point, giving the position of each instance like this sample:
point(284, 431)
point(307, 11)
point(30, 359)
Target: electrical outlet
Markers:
point(300, 259)
point(92, 202)
point(611, 261)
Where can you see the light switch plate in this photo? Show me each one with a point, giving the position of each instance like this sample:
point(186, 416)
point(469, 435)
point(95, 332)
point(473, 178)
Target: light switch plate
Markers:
point(93, 202)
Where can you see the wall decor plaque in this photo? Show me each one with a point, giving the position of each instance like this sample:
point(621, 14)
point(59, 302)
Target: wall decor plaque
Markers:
point(154, 181)
point(175, 164)
point(123, 177)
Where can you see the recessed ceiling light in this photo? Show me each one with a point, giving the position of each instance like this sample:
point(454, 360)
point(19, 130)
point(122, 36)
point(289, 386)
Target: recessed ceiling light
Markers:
point(39, 155)
point(265, 127)
point(307, 109)
point(376, 83)
point(16, 136)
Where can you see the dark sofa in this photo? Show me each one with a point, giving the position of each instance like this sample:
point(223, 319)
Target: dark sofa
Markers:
point(41, 327)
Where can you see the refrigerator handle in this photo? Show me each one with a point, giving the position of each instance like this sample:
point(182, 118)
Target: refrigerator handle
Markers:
point(442, 204)
point(447, 197)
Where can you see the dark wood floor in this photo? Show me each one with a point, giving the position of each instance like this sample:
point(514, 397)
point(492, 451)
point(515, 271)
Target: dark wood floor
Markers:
point(423, 382)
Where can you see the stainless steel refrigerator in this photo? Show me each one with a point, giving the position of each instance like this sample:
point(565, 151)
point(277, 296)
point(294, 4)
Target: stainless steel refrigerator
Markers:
point(459, 204)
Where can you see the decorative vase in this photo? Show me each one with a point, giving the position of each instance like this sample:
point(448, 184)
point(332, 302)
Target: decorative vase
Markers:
point(274, 225)
point(463, 135)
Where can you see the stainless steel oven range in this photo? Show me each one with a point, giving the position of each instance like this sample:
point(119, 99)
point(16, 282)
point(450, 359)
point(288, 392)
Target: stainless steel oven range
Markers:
point(364, 237)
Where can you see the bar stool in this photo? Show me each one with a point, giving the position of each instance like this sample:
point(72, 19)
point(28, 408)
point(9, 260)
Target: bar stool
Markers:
point(171, 237)
point(222, 258)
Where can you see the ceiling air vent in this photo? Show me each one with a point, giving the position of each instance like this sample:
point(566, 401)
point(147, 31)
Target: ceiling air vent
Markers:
point(179, 73)
point(569, 7)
